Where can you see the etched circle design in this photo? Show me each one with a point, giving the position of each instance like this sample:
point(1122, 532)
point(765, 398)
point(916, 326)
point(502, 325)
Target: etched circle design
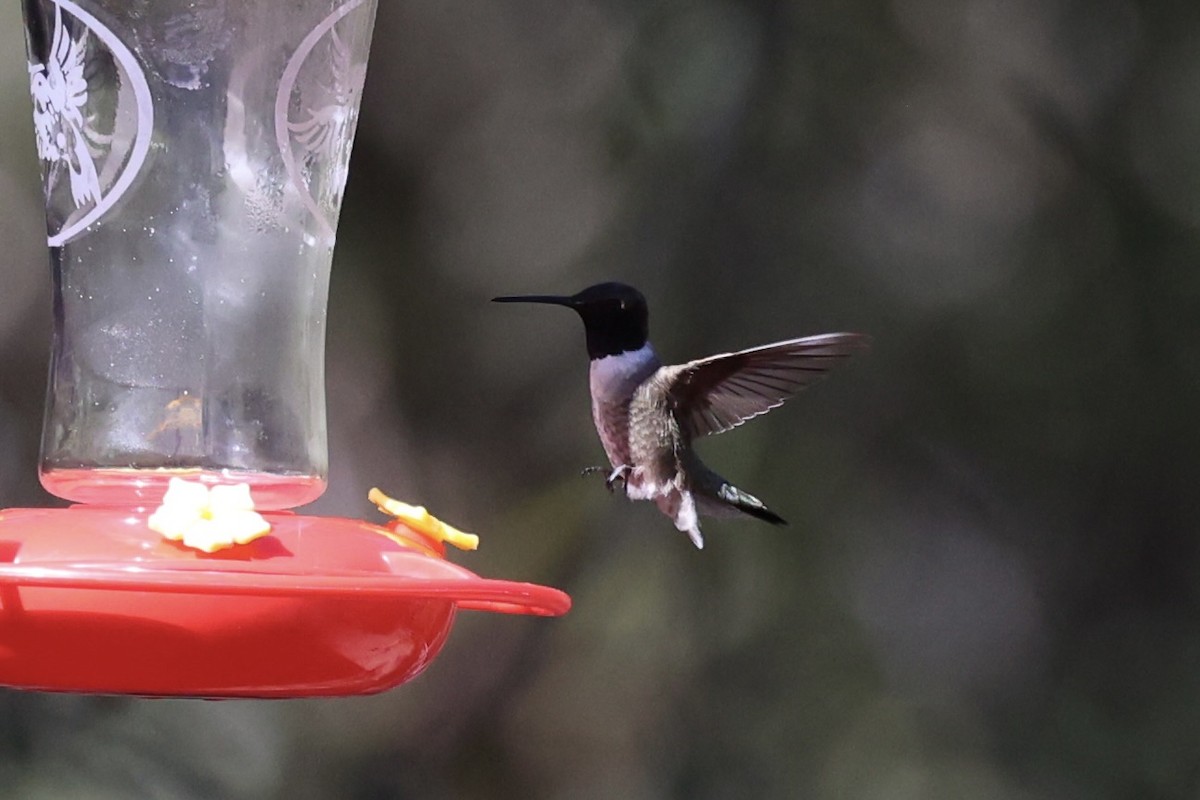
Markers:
point(324, 93)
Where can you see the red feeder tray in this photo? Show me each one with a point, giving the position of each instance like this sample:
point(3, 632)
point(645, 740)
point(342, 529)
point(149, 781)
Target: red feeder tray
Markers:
point(92, 600)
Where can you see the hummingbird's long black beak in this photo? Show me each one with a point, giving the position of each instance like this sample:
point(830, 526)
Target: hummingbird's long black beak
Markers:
point(550, 299)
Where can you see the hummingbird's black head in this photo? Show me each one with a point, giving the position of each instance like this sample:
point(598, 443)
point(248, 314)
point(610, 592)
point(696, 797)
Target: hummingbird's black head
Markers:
point(614, 315)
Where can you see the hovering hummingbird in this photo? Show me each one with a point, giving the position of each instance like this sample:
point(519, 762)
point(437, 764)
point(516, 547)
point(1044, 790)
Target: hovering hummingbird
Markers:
point(648, 413)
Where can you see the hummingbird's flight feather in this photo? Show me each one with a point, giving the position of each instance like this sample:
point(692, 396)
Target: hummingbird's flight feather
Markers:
point(714, 394)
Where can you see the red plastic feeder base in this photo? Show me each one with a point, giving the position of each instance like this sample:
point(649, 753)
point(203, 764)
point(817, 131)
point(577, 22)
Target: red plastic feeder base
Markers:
point(92, 600)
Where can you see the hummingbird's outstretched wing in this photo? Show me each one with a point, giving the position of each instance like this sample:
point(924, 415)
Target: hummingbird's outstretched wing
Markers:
point(714, 394)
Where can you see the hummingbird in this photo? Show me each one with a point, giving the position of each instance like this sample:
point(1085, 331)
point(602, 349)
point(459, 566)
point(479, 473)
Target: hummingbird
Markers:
point(648, 413)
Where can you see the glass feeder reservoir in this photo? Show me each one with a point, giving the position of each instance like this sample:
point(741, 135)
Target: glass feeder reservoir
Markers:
point(194, 156)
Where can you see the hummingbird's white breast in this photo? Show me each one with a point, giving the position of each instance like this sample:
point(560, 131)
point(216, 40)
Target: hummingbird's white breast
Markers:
point(616, 377)
point(613, 380)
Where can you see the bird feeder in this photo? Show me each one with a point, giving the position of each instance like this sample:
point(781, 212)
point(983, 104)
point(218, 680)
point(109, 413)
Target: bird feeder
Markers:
point(194, 154)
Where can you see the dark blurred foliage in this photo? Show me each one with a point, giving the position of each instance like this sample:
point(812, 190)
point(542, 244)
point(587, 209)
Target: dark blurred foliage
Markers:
point(989, 585)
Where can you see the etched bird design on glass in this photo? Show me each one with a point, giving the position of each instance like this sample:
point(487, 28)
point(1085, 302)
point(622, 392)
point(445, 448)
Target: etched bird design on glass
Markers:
point(65, 136)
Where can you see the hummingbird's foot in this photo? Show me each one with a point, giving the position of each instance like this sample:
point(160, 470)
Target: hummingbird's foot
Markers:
point(612, 479)
point(618, 475)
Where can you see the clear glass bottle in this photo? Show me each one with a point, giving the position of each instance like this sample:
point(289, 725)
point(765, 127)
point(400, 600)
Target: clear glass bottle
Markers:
point(194, 154)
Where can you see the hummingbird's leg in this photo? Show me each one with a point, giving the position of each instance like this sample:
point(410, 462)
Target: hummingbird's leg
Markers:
point(619, 474)
point(612, 479)
point(592, 471)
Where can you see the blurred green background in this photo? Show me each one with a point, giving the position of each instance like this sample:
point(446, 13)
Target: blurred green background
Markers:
point(989, 585)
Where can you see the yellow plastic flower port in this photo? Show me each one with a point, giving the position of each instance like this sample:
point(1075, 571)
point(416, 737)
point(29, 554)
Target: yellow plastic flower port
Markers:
point(208, 519)
point(421, 521)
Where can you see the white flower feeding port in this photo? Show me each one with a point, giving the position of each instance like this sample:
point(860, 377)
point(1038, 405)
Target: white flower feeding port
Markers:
point(194, 156)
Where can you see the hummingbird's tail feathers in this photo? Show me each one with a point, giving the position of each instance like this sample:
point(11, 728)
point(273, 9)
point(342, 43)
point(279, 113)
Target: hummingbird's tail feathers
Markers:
point(748, 504)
